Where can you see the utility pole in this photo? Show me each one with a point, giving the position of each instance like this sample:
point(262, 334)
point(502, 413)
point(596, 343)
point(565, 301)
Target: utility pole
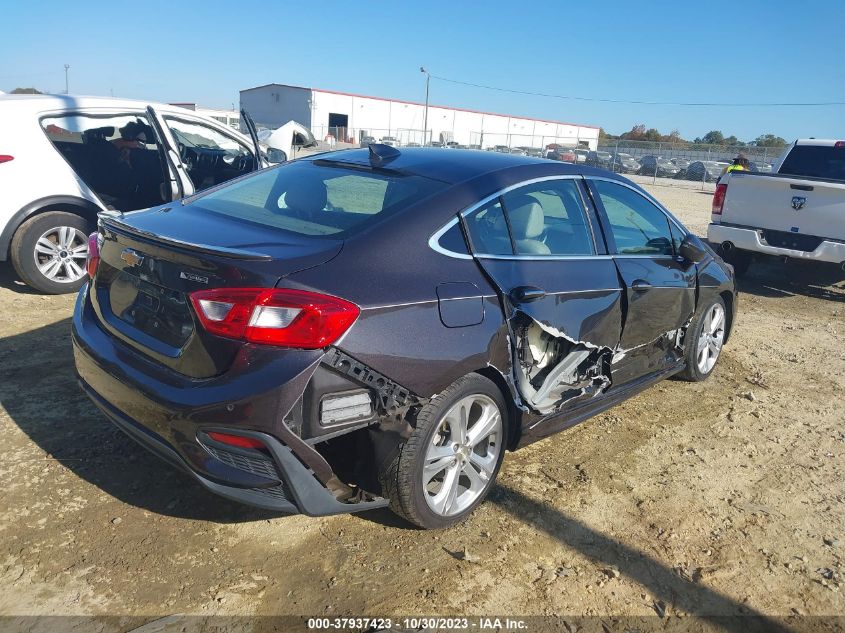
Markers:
point(425, 116)
point(67, 67)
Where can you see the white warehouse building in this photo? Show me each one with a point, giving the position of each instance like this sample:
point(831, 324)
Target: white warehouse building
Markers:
point(346, 117)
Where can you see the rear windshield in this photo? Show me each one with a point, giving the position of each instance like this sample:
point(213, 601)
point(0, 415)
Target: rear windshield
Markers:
point(316, 199)
point(815, 162)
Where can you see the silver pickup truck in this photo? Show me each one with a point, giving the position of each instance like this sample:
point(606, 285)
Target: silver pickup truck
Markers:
point(797, 211)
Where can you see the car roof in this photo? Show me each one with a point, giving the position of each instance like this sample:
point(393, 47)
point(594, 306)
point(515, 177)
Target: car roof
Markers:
point(819, 142)
point(460, 165)
point(36, 104)
point(452, 166)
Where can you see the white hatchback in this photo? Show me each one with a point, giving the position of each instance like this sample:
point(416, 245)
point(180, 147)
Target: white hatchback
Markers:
point(64, 159)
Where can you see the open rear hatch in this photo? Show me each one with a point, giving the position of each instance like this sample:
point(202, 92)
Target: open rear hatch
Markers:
point(151, 260)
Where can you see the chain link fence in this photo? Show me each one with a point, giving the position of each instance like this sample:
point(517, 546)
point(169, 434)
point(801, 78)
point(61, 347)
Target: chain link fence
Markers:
point(677, 164)
point(689, 165)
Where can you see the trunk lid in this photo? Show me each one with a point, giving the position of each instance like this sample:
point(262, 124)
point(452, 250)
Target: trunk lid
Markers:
point(786, 204)
point(151, 260)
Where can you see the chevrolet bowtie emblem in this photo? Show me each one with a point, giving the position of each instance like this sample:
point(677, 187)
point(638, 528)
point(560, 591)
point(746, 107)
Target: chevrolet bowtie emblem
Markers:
point(798, 202)
point(131, 257)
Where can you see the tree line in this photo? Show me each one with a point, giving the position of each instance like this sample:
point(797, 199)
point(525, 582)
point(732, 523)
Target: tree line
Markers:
point(713, 137)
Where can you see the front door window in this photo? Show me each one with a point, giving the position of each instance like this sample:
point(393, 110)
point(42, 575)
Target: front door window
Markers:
point(210, 157)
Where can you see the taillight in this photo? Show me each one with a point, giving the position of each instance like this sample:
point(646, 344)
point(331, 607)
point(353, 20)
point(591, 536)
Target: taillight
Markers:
point(240, 441)
point(5, 158)
point(719, 198)
point(836, 145)
point(93, 259)
point(275, 316)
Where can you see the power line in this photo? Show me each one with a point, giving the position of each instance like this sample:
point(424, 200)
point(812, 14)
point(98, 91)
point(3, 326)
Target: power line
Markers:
point(631, 102)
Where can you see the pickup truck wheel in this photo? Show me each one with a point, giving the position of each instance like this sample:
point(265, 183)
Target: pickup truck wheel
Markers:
point(449, 463)
point(704, 339)
point(49, 251)
point(739, 259)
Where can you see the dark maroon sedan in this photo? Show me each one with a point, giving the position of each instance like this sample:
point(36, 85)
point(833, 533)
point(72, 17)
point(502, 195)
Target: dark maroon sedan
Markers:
point(376, 326)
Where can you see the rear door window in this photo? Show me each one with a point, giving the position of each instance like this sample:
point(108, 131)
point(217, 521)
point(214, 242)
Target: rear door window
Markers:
point(488, 230)
point(548, 218)
point(815, 162)
point(116, 155)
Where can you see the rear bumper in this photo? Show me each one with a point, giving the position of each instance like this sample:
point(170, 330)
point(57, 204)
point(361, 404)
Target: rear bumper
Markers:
point(748, 239)
point(171, 415)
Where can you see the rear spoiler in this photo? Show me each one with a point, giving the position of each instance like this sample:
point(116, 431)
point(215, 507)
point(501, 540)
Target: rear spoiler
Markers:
point(126, 229)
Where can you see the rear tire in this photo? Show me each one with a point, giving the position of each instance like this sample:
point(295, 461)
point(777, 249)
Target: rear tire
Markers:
point(48, 251)
point(705, 337)
point(740, 260)
point(446, 469)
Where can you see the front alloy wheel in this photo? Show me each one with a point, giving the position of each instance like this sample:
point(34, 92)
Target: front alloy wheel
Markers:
point(704, 339)
point(711, 338)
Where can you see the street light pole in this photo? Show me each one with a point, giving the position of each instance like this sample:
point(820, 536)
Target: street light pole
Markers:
point(67, 66)
point(425, 116)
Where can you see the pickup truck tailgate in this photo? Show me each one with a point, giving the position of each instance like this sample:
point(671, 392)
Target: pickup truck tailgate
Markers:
point(786, 204)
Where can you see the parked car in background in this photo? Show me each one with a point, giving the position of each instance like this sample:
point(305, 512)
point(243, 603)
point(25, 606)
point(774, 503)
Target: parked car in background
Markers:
point(435, 144)
point(390, 141)
point(366, 140)
point(563, 154)
point(599, 159)
point(581, 155)
point(504, 149)
point(517, 151)
point(252, 339)
point(413, 144)
point(796, 212)
point(67, 158)
point(763, 168)
point(682, 164)
point(704, 171)
point(623, 163)
point(657, 165)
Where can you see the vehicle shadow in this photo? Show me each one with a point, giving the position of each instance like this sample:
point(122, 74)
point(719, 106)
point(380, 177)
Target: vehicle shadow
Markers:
point(770, 277)
point(9, 279)
point(40, 394)
point(664, 583)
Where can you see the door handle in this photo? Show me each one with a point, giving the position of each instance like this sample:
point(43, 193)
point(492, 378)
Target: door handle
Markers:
point(525, 294)
point(641, 285)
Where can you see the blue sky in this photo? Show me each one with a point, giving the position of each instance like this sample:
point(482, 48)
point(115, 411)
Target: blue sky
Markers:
point(680, 51)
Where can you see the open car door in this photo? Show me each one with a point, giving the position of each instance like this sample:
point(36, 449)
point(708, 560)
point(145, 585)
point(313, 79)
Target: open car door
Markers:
point(253, 134)
point(178, 180)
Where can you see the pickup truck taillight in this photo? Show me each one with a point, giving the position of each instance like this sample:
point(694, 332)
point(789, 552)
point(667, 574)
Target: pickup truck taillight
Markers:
point(836, 145)
point(275, 316)
point(5, 158)
point(719, 198)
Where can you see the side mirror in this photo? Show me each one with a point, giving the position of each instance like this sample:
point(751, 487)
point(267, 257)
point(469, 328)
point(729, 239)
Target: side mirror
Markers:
point(275, 156)
point(693, 249)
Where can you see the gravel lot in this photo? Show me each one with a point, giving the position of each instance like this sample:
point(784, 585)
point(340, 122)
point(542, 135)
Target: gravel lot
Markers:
point(718, 498)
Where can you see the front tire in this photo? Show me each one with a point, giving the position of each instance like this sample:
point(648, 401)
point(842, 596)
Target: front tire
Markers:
point(49, 251)
point(704, 340)
point(449, 463)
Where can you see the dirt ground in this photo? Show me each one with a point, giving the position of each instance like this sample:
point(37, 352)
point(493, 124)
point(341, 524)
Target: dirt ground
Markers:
point(718, 498)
